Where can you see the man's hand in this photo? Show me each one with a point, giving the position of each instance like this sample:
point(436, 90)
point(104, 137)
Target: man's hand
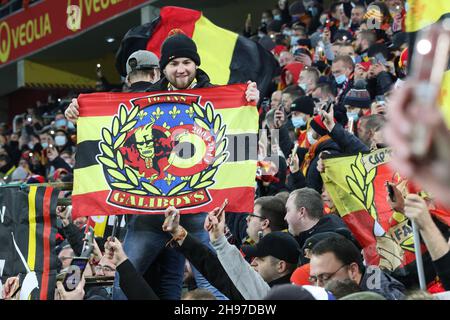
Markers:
point(416, 209)
point(320, 164)
point(328, 118)
point(77, 294)
point(215, 224)
point(304, 58)
point(63, 213)
point(172, 221)
point(252, 92)
point(72, 111)
point(114, 252)
point(52, 153)
point(10, 287)
point(279, 118)
point(294, 163)
point(360, 72)
point(326, 36)
point(404, 114)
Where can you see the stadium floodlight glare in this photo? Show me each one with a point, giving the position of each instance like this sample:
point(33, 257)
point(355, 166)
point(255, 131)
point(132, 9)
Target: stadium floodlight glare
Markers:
point(110, 39)
point(424, 46)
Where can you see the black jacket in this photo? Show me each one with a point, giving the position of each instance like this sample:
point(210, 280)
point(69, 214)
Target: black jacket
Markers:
point(74, 236)
point(328, 223)
point(380, 85)
point(380, 282)
point(209, 266)
point(442, 266)
point(347, 142)
point(133, 284)
point(313, 178)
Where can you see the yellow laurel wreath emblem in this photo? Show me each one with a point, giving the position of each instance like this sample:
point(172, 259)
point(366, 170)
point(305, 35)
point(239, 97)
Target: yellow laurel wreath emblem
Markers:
point(126, 178)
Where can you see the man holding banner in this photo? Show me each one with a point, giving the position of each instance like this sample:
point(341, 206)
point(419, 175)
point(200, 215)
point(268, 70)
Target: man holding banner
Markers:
point(146, 152)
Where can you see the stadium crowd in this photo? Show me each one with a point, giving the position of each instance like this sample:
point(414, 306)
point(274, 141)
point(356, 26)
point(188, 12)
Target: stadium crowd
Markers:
point(341, 68)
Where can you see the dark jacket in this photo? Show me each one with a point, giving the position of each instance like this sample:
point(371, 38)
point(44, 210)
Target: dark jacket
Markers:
point(442, 266)
point(379, 282)
point(58, 163)
point(133, 284)
point(140, 86)
point(380, 85)
point(209, 266)
point(75, 237)
point(313, 178)
point(347, 142)
point(201, 77)
point(328, 223)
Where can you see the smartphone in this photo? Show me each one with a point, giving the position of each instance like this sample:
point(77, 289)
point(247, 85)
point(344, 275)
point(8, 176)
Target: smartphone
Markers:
point(294, 152)
point(327, 108)
point(390, 190)
point(114, 230)
point(222, 208)
point(74, 273)
point(428, 64)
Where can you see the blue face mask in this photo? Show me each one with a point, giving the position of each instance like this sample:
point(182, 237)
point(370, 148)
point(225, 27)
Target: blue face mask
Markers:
point(340, 79)
point(298, 122)
point(294, 40)
point(70, 125)
point(353, 115)
point(304, 86)
point(277, 17)
point(44, 145)
point(60, 123)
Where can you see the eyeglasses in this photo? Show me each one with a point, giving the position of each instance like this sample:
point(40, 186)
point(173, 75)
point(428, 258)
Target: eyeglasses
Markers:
point(256, 216)
point(324, 277)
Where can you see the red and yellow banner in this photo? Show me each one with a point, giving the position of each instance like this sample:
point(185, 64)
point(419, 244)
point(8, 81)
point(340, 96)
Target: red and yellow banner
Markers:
point(356, 184)
point(52, 21)
point(138, 153)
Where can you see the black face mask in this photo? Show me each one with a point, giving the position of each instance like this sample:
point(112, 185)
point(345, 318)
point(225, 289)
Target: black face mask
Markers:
point(381, 145)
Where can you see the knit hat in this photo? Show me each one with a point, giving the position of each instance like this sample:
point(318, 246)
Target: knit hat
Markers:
point(178, 46)
point(358, 97)
point(296, 8)
point(303, 104)
point(275, 26)
point(278, 244)
point(318, 126)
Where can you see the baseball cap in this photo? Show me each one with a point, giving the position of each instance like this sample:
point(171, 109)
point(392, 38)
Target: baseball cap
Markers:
point(142, 60)
point(278, 244)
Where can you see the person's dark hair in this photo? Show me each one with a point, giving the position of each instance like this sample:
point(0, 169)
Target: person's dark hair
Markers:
point(311, 200)
point(383, 9)
point(283, 195)
point(373, 122)
point(369, 36)
point(294, 91)
point(290, 267)
point(342, 288)
point(347, 60)
point(325, 88)
point(334, 6)
point(273, 209)
point(198, 294)
point(344, 250)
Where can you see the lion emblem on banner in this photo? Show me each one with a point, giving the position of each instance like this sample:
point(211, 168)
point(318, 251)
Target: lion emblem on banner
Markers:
point(165, 150)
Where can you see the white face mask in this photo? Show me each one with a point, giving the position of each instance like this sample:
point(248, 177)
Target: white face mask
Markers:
point(310, 138)
point(60, 140)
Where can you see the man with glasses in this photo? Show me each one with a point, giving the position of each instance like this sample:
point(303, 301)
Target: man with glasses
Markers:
point(338, 258)
point(268, 216)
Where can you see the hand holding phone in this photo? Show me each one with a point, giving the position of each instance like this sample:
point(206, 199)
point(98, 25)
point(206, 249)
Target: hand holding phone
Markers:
point(74, 273)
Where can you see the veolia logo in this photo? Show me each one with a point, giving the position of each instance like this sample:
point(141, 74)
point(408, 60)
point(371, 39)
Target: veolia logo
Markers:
point(5, 41)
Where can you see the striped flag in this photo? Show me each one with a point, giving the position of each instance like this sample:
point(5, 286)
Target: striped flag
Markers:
point(27, 236)
point(138, 153)
point(226, 57)
point(421, 14)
